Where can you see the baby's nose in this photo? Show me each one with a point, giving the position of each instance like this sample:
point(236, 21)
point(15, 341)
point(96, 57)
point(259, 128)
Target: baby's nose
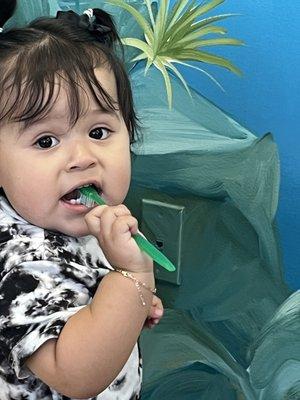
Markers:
point(81, 157)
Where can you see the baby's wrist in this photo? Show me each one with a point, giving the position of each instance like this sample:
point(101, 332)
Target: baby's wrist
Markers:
point(149, 275)
point(141, 275)
point(142, 280)
point(143, 268)
point(147, 278)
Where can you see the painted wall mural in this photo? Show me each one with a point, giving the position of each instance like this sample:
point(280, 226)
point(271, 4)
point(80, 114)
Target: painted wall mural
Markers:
point(205, 190)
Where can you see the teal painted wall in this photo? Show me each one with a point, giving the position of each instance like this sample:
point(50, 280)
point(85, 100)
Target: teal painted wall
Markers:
point(266, 98)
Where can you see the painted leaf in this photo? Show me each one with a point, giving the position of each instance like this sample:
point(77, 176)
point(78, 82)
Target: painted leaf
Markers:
point(213, 42)
point(196, 55)
point(182, 342)
point(176, 11)
point(140, 45)
point(139, 18)
point(275, 366)
point(159, 64)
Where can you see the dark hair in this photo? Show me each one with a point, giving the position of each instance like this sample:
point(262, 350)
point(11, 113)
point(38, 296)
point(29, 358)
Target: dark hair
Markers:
point(67, 47)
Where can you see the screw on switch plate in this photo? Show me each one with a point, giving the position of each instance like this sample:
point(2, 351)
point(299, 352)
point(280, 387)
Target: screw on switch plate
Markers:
point(162, 225)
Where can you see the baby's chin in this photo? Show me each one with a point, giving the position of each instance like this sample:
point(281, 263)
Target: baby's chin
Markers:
point(76, 233)
point(73, 231)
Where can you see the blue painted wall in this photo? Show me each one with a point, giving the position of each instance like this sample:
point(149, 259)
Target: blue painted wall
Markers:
point(266, 98)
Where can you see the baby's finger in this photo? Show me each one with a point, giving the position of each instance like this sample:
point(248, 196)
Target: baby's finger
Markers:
point(92, 219)
point(109, 216)
point(124, 224)
point(150, 323)
point(157, 308)
point(156, 300)
point(155, 313)
point(102, 217)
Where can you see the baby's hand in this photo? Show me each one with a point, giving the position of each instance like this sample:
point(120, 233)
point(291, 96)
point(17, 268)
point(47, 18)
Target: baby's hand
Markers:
point(155, 313)
point(114, 226)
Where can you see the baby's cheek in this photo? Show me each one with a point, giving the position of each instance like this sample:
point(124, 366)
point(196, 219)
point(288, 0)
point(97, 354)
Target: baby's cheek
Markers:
point(124, 182)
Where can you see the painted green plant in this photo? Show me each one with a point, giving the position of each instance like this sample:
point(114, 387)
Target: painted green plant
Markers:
point(177, 36)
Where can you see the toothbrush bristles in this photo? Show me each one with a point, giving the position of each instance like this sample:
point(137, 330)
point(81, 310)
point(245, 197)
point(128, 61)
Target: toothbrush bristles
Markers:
point(86, 201)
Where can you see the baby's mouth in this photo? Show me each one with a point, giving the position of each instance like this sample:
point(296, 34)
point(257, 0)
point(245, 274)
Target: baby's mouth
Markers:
point(74, 197)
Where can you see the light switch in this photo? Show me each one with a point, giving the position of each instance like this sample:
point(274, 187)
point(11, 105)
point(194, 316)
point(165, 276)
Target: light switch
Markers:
point(162, 225)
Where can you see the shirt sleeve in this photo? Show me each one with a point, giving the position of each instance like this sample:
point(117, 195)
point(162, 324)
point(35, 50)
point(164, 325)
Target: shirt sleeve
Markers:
point(36, 300)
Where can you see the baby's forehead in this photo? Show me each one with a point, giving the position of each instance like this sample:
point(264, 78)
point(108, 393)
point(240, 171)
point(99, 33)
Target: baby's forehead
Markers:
point(63, 90)
point(62, 99)
point(107, 80)
point(63, 104)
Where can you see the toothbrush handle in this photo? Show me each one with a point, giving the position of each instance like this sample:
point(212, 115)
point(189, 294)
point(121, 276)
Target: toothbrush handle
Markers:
point(153, 252)
point(91, 193)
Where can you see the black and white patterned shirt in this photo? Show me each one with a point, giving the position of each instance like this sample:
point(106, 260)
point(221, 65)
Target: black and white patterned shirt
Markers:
point(45, 278)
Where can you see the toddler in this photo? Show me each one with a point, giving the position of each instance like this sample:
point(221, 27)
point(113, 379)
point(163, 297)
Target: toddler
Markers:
point(70, 318)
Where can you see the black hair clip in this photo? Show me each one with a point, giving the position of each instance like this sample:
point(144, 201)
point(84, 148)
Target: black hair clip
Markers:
point(90, 22)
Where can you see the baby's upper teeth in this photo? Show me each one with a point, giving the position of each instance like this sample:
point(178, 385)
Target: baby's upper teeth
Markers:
point(90, 184)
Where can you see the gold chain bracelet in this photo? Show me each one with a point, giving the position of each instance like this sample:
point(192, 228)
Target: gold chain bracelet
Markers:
point(137, 283)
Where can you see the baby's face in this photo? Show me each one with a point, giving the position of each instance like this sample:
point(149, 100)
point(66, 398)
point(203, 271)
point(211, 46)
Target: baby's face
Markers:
point(41, 164)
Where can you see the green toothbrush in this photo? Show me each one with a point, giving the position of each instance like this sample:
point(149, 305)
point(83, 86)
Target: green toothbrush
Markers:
point(90, 195)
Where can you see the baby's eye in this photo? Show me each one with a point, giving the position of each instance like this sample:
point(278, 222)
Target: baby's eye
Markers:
point(45, 142)
point(99, 132)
